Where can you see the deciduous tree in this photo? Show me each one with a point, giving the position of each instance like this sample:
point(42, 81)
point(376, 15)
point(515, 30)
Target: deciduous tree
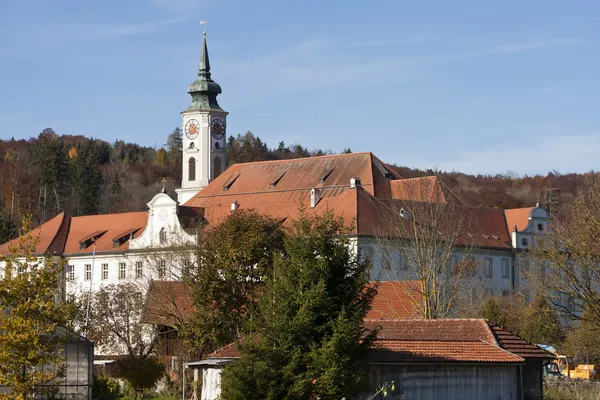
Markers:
point(31, 312)
point(233, 260)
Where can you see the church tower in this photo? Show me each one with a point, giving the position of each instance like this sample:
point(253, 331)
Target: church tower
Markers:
point(204, 133)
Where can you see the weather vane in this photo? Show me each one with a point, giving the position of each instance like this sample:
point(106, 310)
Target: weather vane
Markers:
point(203, 23)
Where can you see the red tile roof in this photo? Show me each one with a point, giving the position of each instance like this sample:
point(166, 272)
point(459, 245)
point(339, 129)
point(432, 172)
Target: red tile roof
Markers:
point(449, 330)
point(398, 351)
point(396, 299)
point(229, 351)
point(47, 232)
point(426, 188)
point(439, 341)
point(168, 303)
point(518, 217)
point(516, 344)
point(65, 235)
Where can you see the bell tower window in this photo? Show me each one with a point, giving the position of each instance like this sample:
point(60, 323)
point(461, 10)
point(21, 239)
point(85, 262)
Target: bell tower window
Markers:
point(192, 169)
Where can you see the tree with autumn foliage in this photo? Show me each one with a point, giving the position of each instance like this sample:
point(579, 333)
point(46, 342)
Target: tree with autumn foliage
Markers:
point(32, 313)
point(235, 258)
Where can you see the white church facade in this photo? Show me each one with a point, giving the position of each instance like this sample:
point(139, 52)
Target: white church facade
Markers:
point(117, 248)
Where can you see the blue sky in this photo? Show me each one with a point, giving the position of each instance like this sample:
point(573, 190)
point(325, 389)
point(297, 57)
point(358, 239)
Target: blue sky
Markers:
point(475, 86)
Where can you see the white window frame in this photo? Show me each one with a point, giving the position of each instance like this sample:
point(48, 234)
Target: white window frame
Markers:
point(505, 268)
point(489, 267)
point(104, 270)
point(122, 271)
point(70, 272)
point(88, 272)
point(162, 269)
point(139, 270)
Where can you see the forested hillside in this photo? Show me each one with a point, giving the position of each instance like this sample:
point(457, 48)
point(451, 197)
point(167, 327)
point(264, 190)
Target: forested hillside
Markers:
point(54, 173)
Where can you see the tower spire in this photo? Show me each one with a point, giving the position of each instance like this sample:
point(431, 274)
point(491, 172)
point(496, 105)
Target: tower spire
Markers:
point(204, 68)
point(204, 90)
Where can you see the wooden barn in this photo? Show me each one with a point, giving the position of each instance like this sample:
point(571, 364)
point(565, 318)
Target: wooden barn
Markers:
point(459, 359)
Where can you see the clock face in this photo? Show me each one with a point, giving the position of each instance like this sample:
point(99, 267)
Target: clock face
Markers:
point(217, 128)
point(192, 127)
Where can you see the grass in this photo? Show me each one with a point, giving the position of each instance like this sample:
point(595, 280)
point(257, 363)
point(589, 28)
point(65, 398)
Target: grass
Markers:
point(581, 391)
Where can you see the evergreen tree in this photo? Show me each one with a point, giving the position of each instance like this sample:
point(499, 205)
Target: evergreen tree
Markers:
point(175, 147)
point(85, 179)
point(31, 314)
point(50, 166)
point(308, 340)
point(8, 229)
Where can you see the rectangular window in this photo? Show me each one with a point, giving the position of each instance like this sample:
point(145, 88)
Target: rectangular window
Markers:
point(453, 264)
point(187, 269)
point(70, 272)
point(162, 269)
point(505, 268)
point(122, 270)
point(489, 267)
point(398, 261)
point(104, 272)
point(88, 272)
point(139, 270)
point(368, 255)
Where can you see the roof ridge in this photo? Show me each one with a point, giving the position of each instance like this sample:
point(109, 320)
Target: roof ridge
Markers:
point(291, 160)
point(104, 215)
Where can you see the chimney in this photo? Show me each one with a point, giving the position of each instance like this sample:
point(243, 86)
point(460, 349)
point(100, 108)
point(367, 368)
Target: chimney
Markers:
point(354, 182)
point(315, 196)
point(234, 206)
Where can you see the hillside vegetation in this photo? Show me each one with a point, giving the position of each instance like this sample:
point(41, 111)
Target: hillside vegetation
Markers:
point(52, 173)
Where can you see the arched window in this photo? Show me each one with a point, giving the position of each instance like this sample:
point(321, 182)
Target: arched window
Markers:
point(192, 145)
point(162, 236)
point(192, 169)
point(216, 167)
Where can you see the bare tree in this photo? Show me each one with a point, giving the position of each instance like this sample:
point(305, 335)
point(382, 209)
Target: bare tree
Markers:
point(114, 321)
point(429, 239)
point(567, 259)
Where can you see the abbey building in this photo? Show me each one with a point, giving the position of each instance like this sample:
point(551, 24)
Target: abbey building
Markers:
point(365, 191)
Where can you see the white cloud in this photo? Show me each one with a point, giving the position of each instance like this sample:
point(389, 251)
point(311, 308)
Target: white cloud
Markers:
point(564, 153)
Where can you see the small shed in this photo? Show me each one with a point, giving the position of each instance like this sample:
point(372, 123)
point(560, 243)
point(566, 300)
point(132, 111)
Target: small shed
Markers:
point(78, 355)
point(458, 359)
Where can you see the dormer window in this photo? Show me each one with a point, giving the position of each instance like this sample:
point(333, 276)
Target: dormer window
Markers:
point(123, 237)
point(90, 239)
point(162, 236)
point(540, 227)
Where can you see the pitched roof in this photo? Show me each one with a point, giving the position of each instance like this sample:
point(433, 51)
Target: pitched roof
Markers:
point(414, 351)
point(425, 188)
point(168, 303)
point(396, 299)
point(112, 225)
point(518, 217)
point(516, 344)
point(48, 233)
point(439, 341)
point(228, 351)
point(66, 235)
point(276, 177)
point(449, 340)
